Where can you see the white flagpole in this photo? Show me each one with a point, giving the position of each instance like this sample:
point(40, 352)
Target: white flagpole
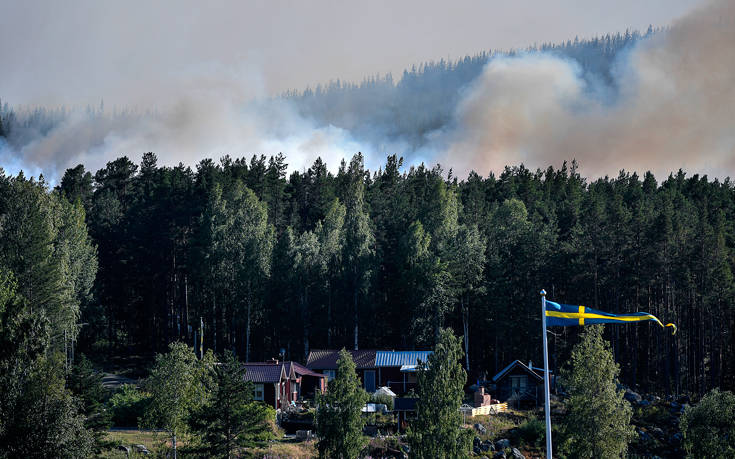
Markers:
point(547, 400)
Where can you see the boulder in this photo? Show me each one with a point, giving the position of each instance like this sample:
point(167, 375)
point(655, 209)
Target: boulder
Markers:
point(517, 454)
point(502, 444)
point(644, 403)
point(124, 448)
point(657, 432)
point(480, 428)
point(676, 439)
point(499, 455)
point(631, 396)
point(645, 438)
point(487, 445)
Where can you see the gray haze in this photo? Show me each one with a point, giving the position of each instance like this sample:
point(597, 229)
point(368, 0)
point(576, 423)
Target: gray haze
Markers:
point(201, 68)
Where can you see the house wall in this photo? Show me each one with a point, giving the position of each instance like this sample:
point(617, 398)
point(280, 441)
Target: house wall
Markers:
point(393, 378)
point(269, 394)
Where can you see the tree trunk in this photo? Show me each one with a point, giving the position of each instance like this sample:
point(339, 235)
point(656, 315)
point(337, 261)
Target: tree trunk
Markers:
point(247, 328)
point(173, 443)
point(354, 295)
point(466, 326)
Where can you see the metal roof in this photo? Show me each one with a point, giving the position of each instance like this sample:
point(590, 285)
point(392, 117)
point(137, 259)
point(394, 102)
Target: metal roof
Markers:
point(400, 358)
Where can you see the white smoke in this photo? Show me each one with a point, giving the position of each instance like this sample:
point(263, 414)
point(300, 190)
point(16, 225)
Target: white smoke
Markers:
point(674, 108)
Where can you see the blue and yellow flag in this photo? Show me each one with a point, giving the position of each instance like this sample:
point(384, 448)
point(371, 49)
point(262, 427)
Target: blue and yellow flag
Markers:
point(566, 315)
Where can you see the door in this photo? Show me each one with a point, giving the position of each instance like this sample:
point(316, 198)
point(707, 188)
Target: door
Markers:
point(370, 381)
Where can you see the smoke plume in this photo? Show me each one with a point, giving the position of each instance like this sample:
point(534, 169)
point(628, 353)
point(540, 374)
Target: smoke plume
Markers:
point(668, 102)
point(673, 107)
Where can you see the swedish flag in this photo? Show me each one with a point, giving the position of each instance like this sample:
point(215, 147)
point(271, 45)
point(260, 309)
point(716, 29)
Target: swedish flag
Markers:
point(566, 315)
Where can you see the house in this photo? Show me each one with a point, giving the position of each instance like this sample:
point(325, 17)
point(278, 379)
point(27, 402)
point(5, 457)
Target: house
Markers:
point(393, 369)
point(280, 383)
point(307, 382)
point(272, 383)
point(325, 361)
point(397, 369)
point(519, 384)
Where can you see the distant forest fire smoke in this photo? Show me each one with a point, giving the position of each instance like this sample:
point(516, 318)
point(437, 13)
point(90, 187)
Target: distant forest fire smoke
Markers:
point(657, 102)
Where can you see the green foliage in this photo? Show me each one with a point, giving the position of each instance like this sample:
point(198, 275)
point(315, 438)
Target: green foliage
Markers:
point(339, 420)
point(178, 384)
point(231, 419)
point(437, 431)
point(385, 399)
point(709, 426)
point(128, 406)
point(85, 383)
point(597, 424)
point(532, 432)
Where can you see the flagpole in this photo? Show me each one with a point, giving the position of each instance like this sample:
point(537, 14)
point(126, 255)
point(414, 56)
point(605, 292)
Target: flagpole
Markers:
point(547, 401)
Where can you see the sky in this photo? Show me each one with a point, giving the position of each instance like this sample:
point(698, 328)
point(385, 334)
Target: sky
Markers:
point(206, 70)
point(138, 53)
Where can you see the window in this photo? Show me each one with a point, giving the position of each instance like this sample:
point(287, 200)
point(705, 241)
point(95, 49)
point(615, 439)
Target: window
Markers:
point(330, 374)
point(259, 392)
point(518, 384)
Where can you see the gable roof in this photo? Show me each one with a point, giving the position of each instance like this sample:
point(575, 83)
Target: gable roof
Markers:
point(326, 359)
point(400, 358)
point(301, 370)
point(264, 372)
point(516, 364)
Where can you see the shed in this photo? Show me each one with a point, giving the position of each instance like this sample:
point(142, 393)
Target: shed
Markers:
point(519, 385)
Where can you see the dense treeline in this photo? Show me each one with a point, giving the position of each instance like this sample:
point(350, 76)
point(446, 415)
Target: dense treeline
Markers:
point(384, 259)
point(47, 269)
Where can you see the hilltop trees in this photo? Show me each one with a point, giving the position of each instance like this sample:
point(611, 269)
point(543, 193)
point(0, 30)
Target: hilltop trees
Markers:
point(399, 252)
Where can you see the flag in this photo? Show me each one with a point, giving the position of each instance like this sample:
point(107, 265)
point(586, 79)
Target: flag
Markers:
point(566, 315)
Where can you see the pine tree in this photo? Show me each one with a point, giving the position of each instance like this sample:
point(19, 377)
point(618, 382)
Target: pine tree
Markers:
point(437, 432)
point(339, 420)
point(231, 419)
point(597, 424)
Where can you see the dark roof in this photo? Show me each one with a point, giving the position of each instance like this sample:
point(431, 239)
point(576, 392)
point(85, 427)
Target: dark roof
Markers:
point(325, 359)
point(263, 372)
point(404, 404)
point(514, 364)
point(301, 370)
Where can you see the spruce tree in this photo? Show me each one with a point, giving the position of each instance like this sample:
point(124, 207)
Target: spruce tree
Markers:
point(339, 420)
point(231, 419)
point(597, 424)
point(437, 432)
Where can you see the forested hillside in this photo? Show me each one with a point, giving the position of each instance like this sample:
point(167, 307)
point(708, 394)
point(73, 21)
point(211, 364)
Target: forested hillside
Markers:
point(382, 259)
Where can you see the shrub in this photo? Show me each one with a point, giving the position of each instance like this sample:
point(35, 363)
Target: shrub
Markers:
point(385, 399)
point(532, 432)
point(128, 404)
point(709, 427)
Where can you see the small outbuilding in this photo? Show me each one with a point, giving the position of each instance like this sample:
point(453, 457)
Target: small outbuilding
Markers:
point(519, 385)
